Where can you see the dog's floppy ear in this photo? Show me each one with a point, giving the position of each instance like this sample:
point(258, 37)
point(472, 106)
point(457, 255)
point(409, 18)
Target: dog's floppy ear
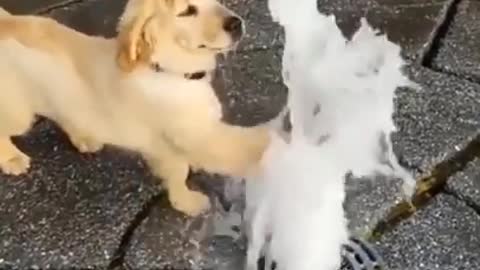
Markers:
point(135, 44)
point(136, 32)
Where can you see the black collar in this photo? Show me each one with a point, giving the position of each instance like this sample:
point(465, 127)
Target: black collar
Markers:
point(189, 76)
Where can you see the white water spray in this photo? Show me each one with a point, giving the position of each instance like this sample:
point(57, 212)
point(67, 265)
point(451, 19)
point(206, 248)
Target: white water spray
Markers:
point(341, 104)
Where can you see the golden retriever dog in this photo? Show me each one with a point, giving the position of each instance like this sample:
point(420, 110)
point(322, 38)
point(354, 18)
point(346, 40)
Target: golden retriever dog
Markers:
point(147, 90)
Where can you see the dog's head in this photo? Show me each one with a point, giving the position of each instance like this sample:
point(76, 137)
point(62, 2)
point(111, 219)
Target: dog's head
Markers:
point(154, 30)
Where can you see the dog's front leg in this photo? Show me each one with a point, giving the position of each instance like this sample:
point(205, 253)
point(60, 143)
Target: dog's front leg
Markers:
point(12, 160)
point(83, 142)
point(173, 170)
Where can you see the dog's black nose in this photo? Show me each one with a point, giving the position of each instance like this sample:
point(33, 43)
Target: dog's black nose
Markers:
point(233, 25)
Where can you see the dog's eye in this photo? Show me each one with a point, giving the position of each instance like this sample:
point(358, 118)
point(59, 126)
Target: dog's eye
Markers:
point(190, 11)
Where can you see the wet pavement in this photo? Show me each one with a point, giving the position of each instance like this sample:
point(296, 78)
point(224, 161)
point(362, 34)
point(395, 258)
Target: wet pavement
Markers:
point(457, 51)
point(443, 235)
point(105, 211)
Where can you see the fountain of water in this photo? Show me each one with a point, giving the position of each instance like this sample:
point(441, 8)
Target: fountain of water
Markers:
point(341, 104)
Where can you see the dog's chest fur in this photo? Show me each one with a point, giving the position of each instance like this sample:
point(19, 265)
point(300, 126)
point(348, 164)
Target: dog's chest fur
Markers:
point(156, 105)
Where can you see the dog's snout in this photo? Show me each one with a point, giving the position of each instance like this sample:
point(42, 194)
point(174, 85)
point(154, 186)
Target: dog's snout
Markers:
point(233, 25)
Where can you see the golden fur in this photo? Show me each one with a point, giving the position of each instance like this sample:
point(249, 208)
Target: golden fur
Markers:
point(104, 91)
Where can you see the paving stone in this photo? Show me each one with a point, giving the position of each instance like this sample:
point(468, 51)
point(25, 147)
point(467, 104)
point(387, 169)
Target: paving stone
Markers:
point(29, 7)
point(466, 184)
point(436, 121)
point(253, 91)
point(93, 17)
point(444, 235)
point(70, 210)
point(261, 31)
point(161, 241)
point(368, 201)
point(458, 51)
point(433, 124)
point(409, 23)
point(165, 240)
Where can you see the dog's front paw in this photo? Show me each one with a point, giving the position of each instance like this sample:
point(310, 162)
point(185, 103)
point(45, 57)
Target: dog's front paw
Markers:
point(17, 164)
point(191, 203)
point(86, 144)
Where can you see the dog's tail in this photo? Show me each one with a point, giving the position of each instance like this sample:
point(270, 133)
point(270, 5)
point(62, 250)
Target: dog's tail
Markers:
point(3, 12)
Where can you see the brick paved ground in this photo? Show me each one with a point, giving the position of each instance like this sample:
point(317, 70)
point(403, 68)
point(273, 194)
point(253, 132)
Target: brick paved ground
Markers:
point(104, 212)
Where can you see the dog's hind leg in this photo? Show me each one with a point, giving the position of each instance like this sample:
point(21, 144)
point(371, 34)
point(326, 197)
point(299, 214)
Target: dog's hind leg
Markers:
point(173, 170)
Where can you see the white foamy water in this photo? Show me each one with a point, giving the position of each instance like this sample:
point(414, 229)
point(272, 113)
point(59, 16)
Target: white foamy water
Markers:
point(341, 104)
